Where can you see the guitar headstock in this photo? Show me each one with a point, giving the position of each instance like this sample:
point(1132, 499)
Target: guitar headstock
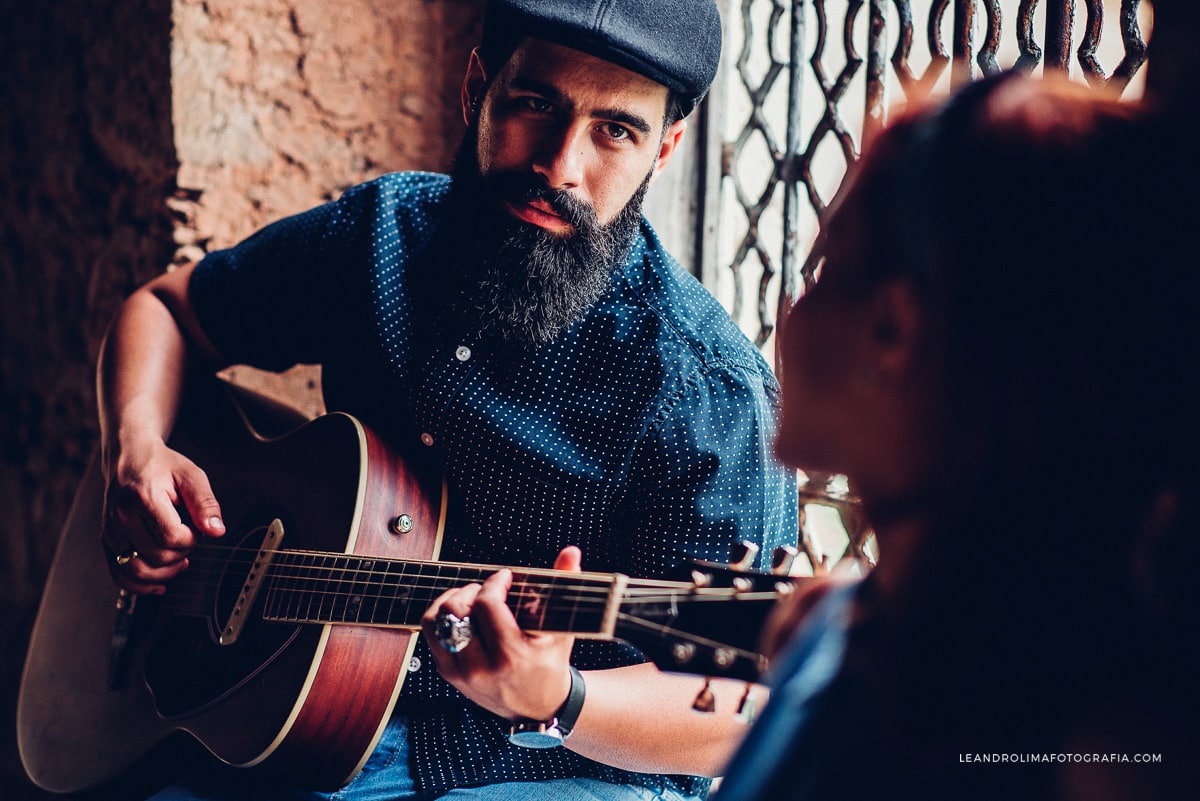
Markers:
point(709, 623)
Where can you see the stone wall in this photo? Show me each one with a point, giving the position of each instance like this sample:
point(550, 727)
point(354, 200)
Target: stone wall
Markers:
point(134, 135)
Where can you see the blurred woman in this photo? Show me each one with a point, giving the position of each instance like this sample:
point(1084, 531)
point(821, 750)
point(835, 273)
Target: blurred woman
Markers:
point(997, 353)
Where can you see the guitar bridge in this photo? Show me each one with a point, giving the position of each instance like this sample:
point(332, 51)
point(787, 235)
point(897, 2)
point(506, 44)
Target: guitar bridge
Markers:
point(245, 600)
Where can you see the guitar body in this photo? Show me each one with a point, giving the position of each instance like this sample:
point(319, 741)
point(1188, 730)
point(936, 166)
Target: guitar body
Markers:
point(310, 700)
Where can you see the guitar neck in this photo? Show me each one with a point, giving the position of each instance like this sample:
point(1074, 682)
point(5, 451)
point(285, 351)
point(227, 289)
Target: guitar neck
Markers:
point(315, 587)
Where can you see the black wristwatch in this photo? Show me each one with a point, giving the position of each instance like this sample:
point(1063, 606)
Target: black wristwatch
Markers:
point(549, 733)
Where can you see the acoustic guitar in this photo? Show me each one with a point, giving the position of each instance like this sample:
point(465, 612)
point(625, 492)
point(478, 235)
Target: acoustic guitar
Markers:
point(285, 643)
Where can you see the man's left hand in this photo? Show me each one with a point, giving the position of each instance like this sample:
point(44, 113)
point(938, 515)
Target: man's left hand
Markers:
point(508, 671)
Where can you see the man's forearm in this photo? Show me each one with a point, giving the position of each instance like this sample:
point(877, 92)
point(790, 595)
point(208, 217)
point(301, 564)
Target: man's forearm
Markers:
point(143, 361)
point(140, 373)
point(639, 718)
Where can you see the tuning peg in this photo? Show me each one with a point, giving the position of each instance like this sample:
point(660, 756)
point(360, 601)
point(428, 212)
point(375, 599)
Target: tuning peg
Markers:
point(782, 559)
point(702, 579)
point(747, 708)
point(705, 701)
point(743, 584)
point(742, 555)
point(683, 652)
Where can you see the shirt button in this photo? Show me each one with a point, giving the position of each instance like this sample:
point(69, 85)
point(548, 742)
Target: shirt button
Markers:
point(414, 664)
point(462, 353)
point(427, 438)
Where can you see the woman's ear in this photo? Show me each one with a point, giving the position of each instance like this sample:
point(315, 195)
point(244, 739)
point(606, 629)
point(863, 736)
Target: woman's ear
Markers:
point(896, 330)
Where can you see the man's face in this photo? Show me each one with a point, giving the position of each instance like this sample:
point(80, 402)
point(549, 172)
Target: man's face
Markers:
point(548, 187)
point(581, 124)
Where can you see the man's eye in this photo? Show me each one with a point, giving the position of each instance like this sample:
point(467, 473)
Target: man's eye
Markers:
point(616, 132)
point(537, 104)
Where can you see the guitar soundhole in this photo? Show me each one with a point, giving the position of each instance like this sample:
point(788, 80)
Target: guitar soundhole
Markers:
point(187, 669)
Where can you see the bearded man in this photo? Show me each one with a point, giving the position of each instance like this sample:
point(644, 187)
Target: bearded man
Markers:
point(520, 324)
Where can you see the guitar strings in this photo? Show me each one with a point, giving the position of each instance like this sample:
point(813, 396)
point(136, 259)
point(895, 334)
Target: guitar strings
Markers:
point(349, 567)
point(435, 576)
point(205, 560)
point(327, 584)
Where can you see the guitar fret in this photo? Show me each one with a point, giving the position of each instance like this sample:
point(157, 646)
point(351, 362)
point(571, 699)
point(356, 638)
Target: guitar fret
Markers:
point(417, 595)
point(287, 590)
point(381, 592)
point(321, 594)
point(370, 587)
point(572, 616)
point(339, 599)
point(286, 593)
point(306, 586)
point(353, 600)
point(348, 597)
point(301, 582)
point(399, 590)
point(271, 584)
point(548, 602)
point(342, 600)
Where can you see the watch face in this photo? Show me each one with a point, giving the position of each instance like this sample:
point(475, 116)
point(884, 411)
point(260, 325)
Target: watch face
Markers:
point(541, 737)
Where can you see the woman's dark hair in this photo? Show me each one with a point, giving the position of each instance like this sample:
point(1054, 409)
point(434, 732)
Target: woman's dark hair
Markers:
point(1032, 218)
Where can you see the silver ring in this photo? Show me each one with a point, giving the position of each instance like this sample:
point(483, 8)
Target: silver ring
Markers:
point(126, 556)
point(453, 632)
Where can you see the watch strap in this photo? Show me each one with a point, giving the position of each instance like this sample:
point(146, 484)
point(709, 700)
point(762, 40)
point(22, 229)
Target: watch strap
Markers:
point(550, 733)
point(568, 713)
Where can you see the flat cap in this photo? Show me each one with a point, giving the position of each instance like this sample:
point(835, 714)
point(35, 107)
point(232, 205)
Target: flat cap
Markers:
point(674, 42)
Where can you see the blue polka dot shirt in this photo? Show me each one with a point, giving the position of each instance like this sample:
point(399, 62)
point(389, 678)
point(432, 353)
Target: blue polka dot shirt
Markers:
point(642, 433)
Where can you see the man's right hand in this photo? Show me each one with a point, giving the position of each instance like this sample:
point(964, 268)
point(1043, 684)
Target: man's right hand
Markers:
point(157, 506)
point(157, 502)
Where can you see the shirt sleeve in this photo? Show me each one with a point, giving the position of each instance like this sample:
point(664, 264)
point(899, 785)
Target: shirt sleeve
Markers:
point(266, 302)
point(707, 476)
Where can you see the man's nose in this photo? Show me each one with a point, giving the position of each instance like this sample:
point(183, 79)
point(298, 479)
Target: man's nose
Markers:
point(560, 156)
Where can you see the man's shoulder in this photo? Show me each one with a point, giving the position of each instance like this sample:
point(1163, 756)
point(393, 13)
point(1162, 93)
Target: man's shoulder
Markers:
point(409, 188)
point(404, 205)
point(691, 319)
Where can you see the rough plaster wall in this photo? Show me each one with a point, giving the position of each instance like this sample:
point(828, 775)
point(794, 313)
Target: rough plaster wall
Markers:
point(281, 105)
point(133, 135)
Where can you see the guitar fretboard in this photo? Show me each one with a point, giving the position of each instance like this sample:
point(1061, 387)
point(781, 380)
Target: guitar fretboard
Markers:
point(309, 587)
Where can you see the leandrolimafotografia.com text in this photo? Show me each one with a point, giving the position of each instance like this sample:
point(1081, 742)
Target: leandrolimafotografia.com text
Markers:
point(1008, 758)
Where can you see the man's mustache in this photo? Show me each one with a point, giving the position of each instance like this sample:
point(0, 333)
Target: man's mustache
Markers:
point(527, 187)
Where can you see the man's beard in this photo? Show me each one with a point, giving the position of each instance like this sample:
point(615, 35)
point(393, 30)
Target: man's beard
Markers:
point(513, 280)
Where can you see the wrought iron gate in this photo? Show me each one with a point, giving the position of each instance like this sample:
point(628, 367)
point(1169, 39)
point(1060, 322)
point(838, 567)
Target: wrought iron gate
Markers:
point(810, 81)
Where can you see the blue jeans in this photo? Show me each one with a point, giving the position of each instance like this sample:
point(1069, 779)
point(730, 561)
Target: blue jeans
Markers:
point(385, 777)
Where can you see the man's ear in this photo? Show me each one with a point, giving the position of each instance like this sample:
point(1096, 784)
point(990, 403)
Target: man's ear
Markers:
point(473, 86)
point(670, 142)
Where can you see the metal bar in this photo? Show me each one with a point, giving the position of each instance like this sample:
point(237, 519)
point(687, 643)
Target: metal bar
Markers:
point(1031, 51)
point(963, 70)
point(1135, 46)
point(1060, 21)
point(991, 39)
point(789, 272)
point(873, 113)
